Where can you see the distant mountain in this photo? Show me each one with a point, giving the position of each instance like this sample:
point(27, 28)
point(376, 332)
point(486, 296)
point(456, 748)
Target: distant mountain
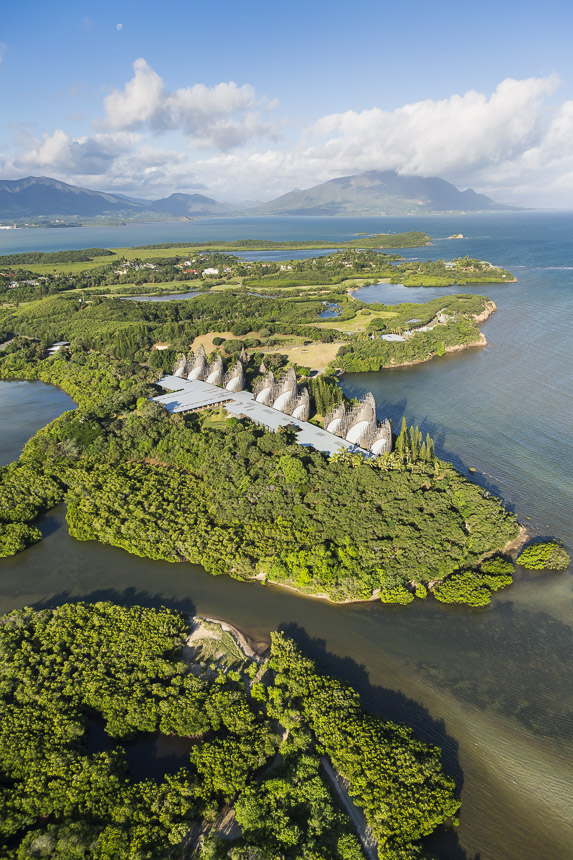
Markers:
point(189, 204)
point(378, 193)
point(374, 193)
point(38, 196)
point(42, 197)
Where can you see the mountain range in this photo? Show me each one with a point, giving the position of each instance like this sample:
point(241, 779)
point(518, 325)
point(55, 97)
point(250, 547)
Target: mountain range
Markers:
point(370, 193)
point(378, 193)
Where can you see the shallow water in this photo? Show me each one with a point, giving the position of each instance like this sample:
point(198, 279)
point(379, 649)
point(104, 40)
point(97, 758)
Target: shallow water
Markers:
point(492, 687)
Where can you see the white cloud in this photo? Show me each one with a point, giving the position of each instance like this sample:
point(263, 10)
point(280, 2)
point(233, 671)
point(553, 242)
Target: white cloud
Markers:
point(138, 102)
point(513, 144)
point(60, 153)
point(436, 137)
point(223, 116)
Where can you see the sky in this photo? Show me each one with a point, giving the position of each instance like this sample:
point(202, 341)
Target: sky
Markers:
point(248, 100)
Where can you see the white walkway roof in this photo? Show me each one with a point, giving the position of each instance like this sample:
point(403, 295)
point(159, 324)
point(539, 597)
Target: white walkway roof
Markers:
point(186, 395)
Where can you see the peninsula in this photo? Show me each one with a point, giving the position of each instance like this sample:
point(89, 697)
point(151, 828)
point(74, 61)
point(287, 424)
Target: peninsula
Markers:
point(263, 745)
point(240, 489)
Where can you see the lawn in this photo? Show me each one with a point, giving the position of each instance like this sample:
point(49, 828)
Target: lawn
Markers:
point(358, 323)
point(316, 356)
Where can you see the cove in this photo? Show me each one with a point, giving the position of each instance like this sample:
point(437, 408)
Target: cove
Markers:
point(25, 407)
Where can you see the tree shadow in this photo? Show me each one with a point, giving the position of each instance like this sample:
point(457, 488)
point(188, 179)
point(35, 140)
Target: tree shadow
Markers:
point(394, 706)
point(126, 597)
point(48, 523)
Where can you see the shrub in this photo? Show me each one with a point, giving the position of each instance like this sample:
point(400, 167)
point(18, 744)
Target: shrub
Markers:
point(396, 594)
point(497, 566)
point(497, 572)
point(463, 586)
point(544, 555)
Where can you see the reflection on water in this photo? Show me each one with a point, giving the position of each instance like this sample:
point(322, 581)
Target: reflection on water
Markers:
point(491, 686)
point(24, 408)
point(148, 756)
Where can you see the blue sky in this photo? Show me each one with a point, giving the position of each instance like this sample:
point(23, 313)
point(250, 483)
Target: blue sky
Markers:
point(246, 100)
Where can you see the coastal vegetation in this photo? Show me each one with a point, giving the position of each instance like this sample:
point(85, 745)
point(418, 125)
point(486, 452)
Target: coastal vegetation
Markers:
point(222, 492)
point(70, 670)
point(410, 239)
point(236, 498)
point(28, 275)
point(368, 354)
point(544, 555)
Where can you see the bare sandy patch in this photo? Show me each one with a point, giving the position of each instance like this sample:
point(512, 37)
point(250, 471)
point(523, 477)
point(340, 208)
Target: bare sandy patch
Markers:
point(206, 340)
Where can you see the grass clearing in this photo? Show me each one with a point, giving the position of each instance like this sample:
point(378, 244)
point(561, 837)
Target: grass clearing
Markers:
point(358, 323)
point(206, 340)
point(211, 642)
point(216, 418)
point(316, 356)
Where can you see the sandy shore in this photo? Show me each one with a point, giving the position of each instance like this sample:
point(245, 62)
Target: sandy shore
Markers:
point(250, 648)
point(519, 541)
point(320, 595)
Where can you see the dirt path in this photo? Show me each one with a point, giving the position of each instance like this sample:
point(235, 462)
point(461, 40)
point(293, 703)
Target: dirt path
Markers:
point(356, 815)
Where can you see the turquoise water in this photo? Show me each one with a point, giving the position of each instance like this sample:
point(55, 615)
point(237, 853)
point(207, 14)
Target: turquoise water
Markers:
point(493, 687)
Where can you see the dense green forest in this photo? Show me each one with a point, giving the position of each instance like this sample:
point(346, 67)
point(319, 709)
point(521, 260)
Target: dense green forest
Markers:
point(129, 329)
point(30, 257)
point(544, 555)
point(236, 498)
point(224, 493)
point(70, 669)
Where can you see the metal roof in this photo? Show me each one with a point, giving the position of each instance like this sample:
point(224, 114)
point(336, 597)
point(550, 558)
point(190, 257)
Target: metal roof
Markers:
point(186, 395)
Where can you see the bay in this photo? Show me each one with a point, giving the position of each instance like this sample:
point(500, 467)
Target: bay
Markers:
point(492, 687)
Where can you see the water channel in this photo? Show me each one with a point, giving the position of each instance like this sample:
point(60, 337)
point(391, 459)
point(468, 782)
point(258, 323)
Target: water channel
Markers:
point(493, 686)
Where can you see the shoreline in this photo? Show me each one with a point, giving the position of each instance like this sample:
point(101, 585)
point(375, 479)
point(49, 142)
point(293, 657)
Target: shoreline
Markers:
point(511, 546)
point(449, 349)
point(489, 309)
point(244, 642)
point(521, 539)
point(320, 595)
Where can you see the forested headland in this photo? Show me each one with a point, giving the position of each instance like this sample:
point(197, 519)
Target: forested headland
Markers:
point(222, 492)
point(237, 499)
point(258, 734)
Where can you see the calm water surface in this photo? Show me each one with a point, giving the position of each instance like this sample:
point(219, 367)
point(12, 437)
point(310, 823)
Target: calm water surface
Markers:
point(24, 408)
point(493, 687)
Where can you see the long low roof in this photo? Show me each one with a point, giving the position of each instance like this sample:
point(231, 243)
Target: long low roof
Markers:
point(186, 395)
